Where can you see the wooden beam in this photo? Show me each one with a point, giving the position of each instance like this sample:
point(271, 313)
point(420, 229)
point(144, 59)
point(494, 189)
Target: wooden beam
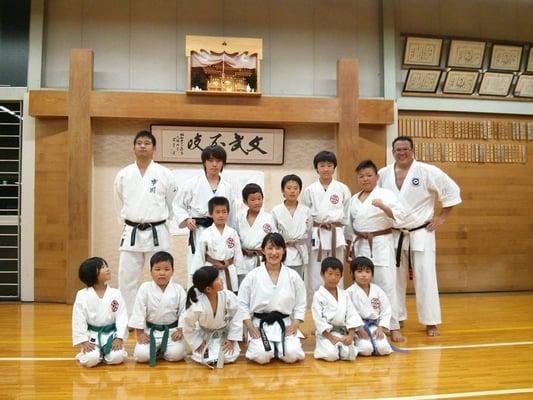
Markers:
point(79, 165)
point(181, 107)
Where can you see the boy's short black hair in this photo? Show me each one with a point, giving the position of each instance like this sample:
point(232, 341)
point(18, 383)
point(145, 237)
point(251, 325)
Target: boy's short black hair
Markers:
point(277, 240)
point(327, 156)
point(249, 189)
point(89, 270)
point(161, 256)
point(144, 134)
point(361, 262)
point(214, 151)
point(217, 201)
point(366, 164)
point(287, 178)
point(331, 263)
point(403, 139)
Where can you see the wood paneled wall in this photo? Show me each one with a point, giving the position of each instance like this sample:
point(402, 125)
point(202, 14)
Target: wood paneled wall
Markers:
point(487, 242)
point(51, 206)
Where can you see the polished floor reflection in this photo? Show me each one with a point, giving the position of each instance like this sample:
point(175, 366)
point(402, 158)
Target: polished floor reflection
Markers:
point(485, 351)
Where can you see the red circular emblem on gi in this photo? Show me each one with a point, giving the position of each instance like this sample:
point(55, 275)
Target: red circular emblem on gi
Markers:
point(334, 199)
point(375, 303)
point(267, 228)
point(230, 243)
point(114, 306)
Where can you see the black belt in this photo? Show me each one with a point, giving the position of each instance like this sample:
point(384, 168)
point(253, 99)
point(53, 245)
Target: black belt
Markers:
point(399, 248)
point(270, 318)
point(142, 226)
point(206, 222)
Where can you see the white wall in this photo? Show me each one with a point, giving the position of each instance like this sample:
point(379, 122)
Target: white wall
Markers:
point(139, 44)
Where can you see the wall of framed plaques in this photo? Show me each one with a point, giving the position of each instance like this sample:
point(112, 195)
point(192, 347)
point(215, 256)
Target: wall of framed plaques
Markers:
point(465, 67)
point(489, 156)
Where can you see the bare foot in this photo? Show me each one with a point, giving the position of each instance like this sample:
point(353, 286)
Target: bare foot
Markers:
point(432, 330)
point(396, 336)
point(401, 324)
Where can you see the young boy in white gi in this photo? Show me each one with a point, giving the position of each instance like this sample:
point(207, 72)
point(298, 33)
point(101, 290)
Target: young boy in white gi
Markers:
point(329, 201)
point(252, 225)
point(373, 306)
point(190, 205)
point(212, 324)
point(99, 317)
point(373, 213)
point(219, 245)
point(336, 319)
point(417, 185)
point(144, 192)
point(294, 221)
point(158, 306)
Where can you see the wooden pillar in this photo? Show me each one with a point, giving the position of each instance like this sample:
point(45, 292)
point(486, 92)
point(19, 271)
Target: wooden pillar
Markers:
point(347, 133)
point(79, 166)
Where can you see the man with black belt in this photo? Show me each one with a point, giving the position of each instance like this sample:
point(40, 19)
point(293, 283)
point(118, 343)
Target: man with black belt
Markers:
point(144, 192)
point(416, 184)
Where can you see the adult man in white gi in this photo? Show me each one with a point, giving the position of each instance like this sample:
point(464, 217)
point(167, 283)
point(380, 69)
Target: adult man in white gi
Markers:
point(144, 192)
point(190, 205)
point(416, 184)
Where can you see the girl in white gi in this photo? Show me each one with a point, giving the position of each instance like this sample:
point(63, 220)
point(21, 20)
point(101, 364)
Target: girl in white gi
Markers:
point(219, 245)
point(336, 319)
point(144, 193)
point(252, 225)
point(190, 205)
point(272, 299)
point(99, 317)
point(293, 220)
point(329, 201)
point(211, 323)
point(158, 306)
point(373, 306)
point(373, 213)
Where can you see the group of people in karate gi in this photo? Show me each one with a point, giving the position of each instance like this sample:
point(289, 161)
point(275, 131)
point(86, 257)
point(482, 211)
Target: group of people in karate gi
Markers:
point(246, 269)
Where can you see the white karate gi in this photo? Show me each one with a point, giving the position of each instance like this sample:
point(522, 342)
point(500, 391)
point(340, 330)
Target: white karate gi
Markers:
point(191, 202)
point(364, 217)
point(160, 308)
point(327, 206)
point(199, 321)
point(220, 247)
point(142, 199)
point(376, 307)
point(417, 194)
point(252, 237)
point(89, 309)
point(258, 294)
point(296, 227)
point(329, 314)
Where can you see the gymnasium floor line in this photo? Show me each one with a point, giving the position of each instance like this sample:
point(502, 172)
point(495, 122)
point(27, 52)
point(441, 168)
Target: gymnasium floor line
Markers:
point(420, 348)
point(458, 395)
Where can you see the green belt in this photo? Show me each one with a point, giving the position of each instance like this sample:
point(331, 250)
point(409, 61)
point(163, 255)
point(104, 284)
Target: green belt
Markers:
point(209, 335)
point(164, 340)
point(106, 349)
point(351, 348)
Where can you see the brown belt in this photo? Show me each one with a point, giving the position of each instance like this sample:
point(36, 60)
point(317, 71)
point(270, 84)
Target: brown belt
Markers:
point(257, 253)
point(223, 265)
point(330, 227)
point(297, 244)
point(368, 236)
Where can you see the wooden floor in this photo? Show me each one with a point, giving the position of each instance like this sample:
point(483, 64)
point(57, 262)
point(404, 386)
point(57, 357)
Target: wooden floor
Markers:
point(485, 351)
